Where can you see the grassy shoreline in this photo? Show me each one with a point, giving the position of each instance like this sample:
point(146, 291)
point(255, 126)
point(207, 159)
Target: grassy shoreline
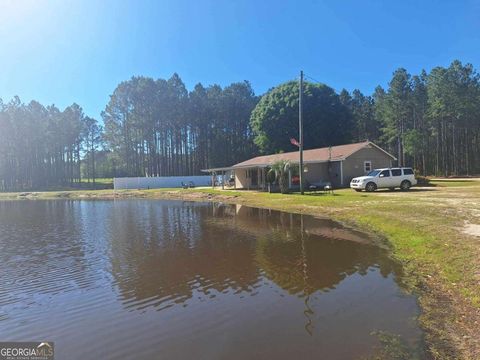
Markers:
point(425, 228)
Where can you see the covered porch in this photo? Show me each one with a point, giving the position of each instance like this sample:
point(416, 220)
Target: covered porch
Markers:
point(255, 177)
point(249, 178)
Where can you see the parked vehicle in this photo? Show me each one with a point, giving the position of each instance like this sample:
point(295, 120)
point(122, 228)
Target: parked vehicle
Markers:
point(188, 185)
point(325, 186)
point(402, 178)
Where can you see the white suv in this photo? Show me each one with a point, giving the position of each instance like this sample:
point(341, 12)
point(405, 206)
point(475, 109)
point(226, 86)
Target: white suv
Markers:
point(403, 178)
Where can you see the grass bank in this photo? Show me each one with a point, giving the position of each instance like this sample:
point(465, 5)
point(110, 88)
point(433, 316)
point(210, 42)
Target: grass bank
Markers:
point(426, 228)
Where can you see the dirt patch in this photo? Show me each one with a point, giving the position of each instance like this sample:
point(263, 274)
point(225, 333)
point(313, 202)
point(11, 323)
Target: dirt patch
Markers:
point(472, 229)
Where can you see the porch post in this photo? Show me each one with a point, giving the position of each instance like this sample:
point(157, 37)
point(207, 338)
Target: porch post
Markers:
point(264, 179)
point(341, 172)
point(259, 178)
point(223, 179)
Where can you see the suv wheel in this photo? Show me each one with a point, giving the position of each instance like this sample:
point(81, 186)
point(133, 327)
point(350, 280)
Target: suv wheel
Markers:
point(405, 185)
point(371, 186)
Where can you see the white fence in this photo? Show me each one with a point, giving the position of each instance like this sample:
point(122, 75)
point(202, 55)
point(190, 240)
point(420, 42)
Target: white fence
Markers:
point(160, 182)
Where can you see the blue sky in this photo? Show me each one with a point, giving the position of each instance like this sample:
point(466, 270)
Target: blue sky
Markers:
point(60, 52)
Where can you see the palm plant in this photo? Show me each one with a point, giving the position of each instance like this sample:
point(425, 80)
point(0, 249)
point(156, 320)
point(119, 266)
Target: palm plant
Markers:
point(281, 170)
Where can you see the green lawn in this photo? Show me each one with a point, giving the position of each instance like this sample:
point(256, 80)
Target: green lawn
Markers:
point(106, 181)
point(454, 182)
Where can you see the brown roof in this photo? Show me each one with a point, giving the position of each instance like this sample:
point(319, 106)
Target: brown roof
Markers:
point(334, 153)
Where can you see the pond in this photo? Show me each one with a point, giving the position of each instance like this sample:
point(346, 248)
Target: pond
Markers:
point(178, 280)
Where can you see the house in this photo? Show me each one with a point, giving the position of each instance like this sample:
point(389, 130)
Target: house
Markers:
point(335, 164)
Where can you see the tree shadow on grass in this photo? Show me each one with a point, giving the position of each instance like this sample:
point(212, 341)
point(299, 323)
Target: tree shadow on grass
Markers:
point(412, 190)
point(321, 193)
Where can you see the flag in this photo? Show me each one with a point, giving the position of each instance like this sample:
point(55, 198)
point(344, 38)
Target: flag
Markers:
point(293, 141)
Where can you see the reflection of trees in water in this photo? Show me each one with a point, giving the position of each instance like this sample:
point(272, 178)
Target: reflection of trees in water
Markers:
point(260, 222)
point(174, 254)
point(322, 265)
point(165, 252)
point(302, 262)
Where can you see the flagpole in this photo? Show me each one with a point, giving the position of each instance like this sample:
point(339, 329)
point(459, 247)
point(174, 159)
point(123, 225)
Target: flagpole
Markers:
point(300, 129)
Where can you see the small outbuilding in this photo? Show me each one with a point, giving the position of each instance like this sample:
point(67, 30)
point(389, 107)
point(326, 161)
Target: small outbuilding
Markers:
point(336, 165)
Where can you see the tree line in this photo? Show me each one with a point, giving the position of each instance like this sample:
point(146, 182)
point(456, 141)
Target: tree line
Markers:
point(42, 147)
point(150, 128)
point(156, 127)
point(430, 121)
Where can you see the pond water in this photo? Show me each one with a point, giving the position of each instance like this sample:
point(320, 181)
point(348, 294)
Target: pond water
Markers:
point(143, 279)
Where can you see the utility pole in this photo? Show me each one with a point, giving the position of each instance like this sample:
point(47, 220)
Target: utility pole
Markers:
point(300, 128)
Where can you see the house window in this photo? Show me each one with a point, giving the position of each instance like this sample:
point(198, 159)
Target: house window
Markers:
point(367, 166)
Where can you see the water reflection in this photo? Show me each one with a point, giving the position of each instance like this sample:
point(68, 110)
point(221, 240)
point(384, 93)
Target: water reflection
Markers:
point(230, 281)
point(180, 250)
point(174, 252)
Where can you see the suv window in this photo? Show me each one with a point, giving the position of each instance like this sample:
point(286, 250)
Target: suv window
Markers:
point(385, 173)
point(373, 173)
point(407, 172)
point(396, 172)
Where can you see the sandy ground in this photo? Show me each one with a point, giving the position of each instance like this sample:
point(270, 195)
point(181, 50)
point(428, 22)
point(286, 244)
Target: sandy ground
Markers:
point(472, 229)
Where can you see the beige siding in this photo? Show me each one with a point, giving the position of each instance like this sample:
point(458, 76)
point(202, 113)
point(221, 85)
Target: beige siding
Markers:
point(244, 182)
point(353, 166)
point(241, 181)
